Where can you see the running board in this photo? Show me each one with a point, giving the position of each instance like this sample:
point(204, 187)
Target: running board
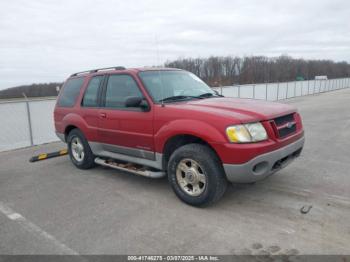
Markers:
point(131, 168)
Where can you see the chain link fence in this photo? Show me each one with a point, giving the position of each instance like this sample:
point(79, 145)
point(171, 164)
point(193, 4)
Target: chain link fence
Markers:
point(26, 123)
point(30, 122)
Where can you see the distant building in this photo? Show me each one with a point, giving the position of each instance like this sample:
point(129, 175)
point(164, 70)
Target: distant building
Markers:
point(321, 77)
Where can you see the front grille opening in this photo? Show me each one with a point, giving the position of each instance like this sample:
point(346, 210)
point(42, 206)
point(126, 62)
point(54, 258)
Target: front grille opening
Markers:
point(284, 119)
point(297, 153)
point(283, 132)
point(278, 164)
point(283, 129)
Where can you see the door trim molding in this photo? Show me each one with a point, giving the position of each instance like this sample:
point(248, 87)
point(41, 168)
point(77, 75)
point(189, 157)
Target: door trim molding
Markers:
point(129, 151)
point(137, 156)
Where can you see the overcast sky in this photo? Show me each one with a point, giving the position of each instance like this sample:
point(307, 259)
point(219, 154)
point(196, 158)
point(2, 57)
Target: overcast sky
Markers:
point(45, 41)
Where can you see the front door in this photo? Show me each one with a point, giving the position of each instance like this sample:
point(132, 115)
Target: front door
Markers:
point(125, 130)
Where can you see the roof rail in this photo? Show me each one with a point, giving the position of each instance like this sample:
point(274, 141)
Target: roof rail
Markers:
point(99, 69)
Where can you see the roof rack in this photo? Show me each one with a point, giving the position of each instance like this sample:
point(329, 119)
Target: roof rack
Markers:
point(99, 69)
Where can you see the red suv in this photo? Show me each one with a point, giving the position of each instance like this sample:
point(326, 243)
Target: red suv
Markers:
point(154, 122)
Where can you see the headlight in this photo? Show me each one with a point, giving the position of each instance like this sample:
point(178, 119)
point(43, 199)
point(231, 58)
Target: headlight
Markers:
point(253, 132)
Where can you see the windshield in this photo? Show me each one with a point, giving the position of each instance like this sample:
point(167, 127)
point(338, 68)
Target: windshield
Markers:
point(181, 84)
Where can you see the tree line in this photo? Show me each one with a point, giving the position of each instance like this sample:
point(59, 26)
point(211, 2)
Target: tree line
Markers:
point(230, 70)
point(34, 90)
point(224, 70)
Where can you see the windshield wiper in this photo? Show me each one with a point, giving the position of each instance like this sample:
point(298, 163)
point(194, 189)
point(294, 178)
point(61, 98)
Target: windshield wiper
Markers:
point(206, 95)
point(176, 98)
point(183, 97)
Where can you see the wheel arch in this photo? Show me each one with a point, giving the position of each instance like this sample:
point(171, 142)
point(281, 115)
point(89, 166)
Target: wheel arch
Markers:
point(176, 141)
point(183, 131)
point(67, 130)
point(72, 121)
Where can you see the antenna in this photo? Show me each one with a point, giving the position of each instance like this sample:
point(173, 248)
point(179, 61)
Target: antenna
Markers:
point(159, 75)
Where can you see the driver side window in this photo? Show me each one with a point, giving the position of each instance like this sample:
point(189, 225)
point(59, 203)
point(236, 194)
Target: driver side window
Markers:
point(119, 88)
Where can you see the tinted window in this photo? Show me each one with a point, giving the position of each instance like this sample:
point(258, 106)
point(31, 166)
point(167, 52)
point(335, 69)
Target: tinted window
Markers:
point(70, 92)
point(119, 87)
point(91, 94)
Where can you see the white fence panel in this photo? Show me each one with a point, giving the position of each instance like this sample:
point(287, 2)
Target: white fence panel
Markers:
point(246, 91)
point(305, 88)
point(282, 90)
point(231, 91)
point(42, 121)
point(334, 84)
point(14, 131)
point(272, 91)
point(298, 88)
point(260, 91)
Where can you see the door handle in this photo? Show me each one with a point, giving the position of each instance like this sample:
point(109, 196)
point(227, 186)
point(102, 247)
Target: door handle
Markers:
point(103, 115)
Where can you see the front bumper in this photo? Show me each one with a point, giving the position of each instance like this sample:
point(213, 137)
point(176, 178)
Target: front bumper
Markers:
point(264, 165)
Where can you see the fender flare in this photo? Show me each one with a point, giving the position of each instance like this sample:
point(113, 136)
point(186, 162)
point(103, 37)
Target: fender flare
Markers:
point(196, 128)
point(73, 119)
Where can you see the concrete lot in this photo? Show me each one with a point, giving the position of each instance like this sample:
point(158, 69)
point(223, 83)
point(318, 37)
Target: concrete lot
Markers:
point(50, 207)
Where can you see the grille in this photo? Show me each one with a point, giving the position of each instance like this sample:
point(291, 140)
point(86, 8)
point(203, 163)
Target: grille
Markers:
point(285, 125)
point(284, 119)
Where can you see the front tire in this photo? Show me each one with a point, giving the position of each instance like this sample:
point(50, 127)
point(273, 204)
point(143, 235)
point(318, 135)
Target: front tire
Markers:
point(196, 175)
point(79, 150)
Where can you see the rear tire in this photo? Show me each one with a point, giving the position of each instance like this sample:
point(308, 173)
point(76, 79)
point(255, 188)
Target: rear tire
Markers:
point(196, 175)
point(79, 150)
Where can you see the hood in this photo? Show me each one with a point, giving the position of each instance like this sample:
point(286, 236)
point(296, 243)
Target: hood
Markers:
point(245, 110)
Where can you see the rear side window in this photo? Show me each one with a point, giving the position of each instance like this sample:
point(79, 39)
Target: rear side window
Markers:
point(70, 92)
point(119, 87)
point(91, 94)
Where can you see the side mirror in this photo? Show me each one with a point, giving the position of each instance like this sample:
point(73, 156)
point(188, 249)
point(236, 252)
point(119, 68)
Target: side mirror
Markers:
point(144, 105)
point(133, 101)
point(136, 101)
point(218, 94)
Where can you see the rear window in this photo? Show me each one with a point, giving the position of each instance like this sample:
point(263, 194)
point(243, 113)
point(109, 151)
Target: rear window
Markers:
point(70, 92)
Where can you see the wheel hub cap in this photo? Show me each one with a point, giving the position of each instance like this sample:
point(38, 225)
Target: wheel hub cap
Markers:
point(190, 177)
point(77, 149)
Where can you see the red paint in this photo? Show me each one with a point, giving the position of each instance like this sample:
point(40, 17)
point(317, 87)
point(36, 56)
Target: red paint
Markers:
point(206, 119)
